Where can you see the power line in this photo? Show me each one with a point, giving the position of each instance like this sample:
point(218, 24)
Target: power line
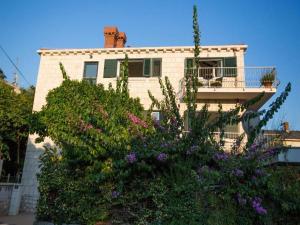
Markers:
point(16, 67)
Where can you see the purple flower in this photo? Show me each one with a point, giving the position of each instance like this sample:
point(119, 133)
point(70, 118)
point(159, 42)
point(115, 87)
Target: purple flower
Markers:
point(271, 152)
point(238, 173)
point(256, 204)
point(221, 156)
point(191, 150)
point(131, 158)
point(241, 200)
point(162, 156)
point(115, 194)
point(253, 147)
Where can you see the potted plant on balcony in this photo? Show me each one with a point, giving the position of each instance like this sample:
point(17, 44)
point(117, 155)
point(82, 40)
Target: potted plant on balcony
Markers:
point(268, 79)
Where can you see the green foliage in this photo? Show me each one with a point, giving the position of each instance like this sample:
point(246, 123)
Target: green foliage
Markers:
point(65, 197)
point(283, 193)
point(2, 75)
point(268, 77)
point(95, 136)
point(15, 112)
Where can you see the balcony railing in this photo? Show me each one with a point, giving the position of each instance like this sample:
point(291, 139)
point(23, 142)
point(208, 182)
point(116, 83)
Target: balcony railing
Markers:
point(234, 77)
point(264, 140)
point(227, 135)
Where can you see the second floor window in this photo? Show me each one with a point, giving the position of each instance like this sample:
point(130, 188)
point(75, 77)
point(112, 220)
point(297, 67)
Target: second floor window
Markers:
point(149, 67)
point(90, 72)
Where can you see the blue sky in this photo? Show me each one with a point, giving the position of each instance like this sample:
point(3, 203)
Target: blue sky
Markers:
point(270, 28)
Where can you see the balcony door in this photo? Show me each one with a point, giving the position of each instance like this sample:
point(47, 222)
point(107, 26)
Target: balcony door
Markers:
point(210, 68)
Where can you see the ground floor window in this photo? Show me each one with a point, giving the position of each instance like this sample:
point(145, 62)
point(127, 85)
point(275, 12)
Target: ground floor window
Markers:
point(230, 128)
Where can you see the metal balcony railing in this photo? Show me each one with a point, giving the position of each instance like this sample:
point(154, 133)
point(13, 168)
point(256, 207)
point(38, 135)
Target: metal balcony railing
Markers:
point(227, 135)
point(264, 140)
point(234, 77)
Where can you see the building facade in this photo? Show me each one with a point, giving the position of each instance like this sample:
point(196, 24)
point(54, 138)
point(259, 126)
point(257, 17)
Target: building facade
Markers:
point(223, 79)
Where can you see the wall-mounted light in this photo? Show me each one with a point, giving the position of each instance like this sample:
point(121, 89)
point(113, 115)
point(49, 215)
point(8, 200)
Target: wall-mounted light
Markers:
point(91, 56)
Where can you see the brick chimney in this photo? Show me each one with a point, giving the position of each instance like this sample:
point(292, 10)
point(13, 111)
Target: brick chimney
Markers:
point(110, 36)
point(121, 40)
point(285, 126)
point(114, 38)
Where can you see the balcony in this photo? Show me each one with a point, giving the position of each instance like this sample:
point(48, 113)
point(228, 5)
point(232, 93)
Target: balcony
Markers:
point(265, 140)
point(233, 83)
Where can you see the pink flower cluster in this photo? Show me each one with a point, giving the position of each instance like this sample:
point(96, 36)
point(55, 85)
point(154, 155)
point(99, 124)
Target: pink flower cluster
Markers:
point(136, 120)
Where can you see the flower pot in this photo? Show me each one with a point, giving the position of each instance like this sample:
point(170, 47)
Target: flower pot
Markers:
point(268, 84)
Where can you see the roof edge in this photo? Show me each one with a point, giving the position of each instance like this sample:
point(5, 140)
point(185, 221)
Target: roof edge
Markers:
point(237, 47)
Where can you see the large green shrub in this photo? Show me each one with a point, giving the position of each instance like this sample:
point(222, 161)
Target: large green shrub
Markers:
point(15, 112)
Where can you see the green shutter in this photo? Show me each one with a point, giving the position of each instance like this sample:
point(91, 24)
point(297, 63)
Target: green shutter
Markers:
point(147, 67)
point(230, 62)
point(156, 67)
point(189, 63)
point(110, 68)
point(188, 66)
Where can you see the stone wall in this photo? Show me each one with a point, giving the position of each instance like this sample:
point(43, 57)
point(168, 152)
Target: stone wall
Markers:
point(5, 196)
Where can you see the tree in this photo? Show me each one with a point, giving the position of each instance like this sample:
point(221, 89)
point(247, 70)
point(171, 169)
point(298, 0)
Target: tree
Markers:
point(15, 112)
point(2, 75)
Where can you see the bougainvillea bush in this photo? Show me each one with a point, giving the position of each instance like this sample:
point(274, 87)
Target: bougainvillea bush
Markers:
point(113, 163)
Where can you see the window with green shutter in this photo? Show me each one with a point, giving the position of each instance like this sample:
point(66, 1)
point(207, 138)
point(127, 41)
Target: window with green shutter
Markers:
point(110, 68)
point(156, 67)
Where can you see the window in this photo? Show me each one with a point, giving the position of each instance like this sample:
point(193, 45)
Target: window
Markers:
point(213, 116)
point(90, 72)
point(136, 67)
point(144, 67)
point(156, 116)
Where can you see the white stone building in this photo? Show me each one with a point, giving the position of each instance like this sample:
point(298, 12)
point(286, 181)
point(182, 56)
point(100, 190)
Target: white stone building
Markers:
point(223, 77)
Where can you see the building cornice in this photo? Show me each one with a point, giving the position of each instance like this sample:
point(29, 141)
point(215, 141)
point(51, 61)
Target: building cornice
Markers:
point(130, 50)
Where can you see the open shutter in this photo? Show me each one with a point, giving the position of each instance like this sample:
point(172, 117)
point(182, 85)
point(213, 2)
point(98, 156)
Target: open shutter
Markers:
point(156, 67)
point(188, 66)
point(189, 63)
point(110, 68)
point(147, 67)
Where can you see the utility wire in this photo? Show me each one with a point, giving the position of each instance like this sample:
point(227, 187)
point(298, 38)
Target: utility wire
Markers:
point(12, 62)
